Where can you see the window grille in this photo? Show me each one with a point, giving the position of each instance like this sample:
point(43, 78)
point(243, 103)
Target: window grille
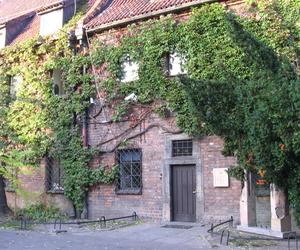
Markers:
point(182, 148)
point(54, 176)
point(130, 163)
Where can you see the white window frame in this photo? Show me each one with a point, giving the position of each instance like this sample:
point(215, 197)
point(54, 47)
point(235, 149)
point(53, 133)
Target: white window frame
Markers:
point(177, 64)
point(130, 70)
point(15, 84)
point(51, 22)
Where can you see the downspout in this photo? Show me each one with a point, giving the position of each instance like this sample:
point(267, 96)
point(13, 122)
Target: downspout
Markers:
point(84, 132)
point(85, 120)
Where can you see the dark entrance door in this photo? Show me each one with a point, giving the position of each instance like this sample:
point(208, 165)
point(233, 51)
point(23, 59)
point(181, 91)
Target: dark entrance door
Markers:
point(183, 190)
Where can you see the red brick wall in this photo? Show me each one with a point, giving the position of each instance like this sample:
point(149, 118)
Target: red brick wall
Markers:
point(32, 190)
point(103, 199)
point(219, 202)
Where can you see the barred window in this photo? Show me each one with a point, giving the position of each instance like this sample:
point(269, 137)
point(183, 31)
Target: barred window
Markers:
point(54, 176)
point(182, 148)
point(130, 162)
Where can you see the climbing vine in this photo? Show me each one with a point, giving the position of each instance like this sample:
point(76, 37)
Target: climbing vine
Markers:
point(242, 80)
point(37, 124)
point(241, 85)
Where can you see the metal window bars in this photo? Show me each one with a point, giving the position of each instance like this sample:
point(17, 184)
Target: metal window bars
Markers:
point(54, 175)
point(130, 177)
point(182, 148)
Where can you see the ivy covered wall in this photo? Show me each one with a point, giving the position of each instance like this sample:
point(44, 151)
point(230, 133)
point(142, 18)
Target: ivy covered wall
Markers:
point(239, 70)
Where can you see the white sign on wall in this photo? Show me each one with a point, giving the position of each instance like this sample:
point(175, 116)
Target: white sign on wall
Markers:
point(221, 178)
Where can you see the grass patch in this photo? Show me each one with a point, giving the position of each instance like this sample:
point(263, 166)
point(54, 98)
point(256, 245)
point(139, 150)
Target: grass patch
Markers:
point(40, 212)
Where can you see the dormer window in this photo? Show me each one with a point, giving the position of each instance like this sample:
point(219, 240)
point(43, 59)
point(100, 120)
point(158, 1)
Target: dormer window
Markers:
point(2, 36)
point(177, 64)
point(51, 22)
point(58, 86)
point(130, 70)
point(15, 83)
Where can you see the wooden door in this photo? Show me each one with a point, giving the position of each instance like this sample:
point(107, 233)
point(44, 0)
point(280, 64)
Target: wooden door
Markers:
point(183, 191)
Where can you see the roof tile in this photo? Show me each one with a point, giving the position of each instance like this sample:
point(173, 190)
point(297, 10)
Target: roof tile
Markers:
point(117, 10)
point(10, 9)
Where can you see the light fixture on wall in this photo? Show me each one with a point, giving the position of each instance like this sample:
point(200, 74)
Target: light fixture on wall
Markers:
point(131, 98)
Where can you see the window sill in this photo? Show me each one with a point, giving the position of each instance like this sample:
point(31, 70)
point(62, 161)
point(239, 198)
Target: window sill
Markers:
point(10, 190)
point(129, 192)
point(55, 192)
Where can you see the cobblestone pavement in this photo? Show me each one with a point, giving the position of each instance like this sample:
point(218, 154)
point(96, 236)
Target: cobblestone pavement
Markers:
point(136, 237)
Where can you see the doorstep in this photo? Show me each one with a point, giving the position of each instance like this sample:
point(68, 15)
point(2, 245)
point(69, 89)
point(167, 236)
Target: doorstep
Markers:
point(263, 231)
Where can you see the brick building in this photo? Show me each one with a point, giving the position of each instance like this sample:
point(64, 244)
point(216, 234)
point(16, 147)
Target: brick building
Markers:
point(165, 175)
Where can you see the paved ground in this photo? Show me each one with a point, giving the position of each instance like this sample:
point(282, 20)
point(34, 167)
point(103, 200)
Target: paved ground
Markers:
point(138, 237)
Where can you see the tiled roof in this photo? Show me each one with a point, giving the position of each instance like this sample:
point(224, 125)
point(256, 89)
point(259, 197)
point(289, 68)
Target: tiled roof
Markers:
point(24, 13)
point(11, 9)
point(123, 10)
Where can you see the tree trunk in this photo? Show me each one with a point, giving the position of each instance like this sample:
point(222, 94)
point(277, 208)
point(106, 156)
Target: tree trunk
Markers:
point(4, 209)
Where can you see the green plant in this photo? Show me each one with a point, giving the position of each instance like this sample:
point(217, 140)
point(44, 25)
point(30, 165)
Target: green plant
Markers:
point(40, 212)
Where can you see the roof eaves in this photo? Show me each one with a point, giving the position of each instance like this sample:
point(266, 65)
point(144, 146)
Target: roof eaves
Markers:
point(126, 21)
point(22, 16)
point(29, 12)
point(51, 7)
point(95, 8)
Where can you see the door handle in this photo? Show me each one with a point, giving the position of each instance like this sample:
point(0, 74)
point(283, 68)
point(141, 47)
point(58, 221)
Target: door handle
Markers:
point(194, 192)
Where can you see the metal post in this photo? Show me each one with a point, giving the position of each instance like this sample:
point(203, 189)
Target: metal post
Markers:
point(134, 216)
point(103, 219)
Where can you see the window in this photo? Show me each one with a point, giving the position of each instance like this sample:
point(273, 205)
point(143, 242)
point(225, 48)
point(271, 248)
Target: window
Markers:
point(58, 86)
point(15, 83)
point(51, 22)
point(54, 176)
point(130, 70)
point(177, 64)
point(182, 148)
point(130, 162)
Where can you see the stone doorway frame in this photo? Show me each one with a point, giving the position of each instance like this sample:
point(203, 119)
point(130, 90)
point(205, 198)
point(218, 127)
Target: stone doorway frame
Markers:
point(195, 160)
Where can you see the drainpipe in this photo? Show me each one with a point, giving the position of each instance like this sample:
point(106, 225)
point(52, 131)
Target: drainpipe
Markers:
point(85, 121)
point(79, 31)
